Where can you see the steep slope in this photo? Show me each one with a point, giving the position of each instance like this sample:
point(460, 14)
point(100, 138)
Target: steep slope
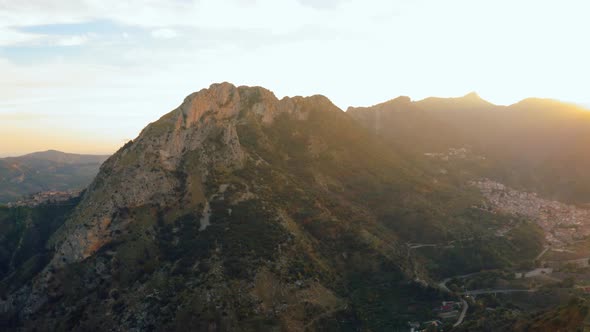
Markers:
point(25, 233)
point(239, 211)
point(537, 144)
point(44, 171)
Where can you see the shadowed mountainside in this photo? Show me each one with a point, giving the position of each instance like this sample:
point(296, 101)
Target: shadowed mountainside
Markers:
point(537, 144)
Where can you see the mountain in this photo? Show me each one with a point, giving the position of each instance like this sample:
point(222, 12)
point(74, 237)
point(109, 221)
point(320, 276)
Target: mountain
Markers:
point(414, 127)
point(45, 171)
point(470, 102)
point(536, 145)
point(63, 158)
point(238, 211)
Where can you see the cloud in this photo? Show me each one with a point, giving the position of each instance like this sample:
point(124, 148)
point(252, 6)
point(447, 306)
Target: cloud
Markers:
point(164, 34)
point(72, 41)
point(322, 4)
point(12, 37)
point(288, 14)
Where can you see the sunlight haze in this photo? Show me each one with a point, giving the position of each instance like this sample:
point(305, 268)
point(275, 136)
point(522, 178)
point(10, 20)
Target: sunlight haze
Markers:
point(86, 76)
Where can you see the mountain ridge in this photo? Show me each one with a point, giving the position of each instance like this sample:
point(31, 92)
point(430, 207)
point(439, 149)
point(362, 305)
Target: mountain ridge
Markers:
point(63, 157)
point(240, 211)
point(533, 133)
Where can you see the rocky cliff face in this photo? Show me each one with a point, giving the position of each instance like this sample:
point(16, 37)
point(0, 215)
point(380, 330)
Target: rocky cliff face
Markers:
point(145, 170)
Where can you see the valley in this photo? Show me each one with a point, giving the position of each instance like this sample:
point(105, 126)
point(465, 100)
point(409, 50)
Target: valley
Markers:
point(560, 267)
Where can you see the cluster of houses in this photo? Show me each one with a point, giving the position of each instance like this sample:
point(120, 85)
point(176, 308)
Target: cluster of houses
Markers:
point(533, 273)
point(426, 326)
point(579, 263)
point(453, 153)
point(46, 197)
point(561, 223)
point(447, 310)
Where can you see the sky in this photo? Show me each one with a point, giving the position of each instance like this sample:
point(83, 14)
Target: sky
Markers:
point(85, 76)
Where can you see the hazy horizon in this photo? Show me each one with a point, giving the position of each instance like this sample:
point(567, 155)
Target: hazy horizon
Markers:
point(82, 149)
point(86, 76)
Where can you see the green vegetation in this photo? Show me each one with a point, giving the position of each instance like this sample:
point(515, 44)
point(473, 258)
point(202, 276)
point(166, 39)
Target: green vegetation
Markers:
point(515, 250)
point(23, 244)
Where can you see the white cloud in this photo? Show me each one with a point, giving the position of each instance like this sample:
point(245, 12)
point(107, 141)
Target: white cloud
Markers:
point(164, 34)
point(285, 14)
point(72, 40)
point(11, 37)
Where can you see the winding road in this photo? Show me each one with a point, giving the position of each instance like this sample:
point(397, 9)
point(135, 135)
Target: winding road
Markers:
point(463, 313)
point(465, 306)
point(497, 291)
point(443, 284)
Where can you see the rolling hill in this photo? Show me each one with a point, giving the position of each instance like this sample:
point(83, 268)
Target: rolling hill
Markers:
point(45, 171)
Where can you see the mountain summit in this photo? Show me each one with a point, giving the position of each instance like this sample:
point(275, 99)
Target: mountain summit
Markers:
point(473, 96)
point(178, 154)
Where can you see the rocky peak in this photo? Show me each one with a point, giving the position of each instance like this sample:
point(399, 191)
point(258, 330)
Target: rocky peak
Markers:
point(473, 98)
point(225, 101)
point(401, 103)
point(222, 101)
point(472, 95)
point(401, 100)
point(198, 136)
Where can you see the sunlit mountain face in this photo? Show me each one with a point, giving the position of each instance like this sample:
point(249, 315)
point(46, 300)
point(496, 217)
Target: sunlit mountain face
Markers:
point(243, 211)
point(301, 196)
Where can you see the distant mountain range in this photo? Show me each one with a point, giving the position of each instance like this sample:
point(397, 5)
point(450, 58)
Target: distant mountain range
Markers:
point(539, 145)
point(239, 211)
point(44, 171)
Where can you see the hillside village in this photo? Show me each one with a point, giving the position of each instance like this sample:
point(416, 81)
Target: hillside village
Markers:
point(454, 153)
point(45, 197)
point(561, 223)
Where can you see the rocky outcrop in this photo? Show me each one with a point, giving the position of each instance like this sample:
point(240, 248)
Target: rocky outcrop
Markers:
point(144, 171)
point(178, 150)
